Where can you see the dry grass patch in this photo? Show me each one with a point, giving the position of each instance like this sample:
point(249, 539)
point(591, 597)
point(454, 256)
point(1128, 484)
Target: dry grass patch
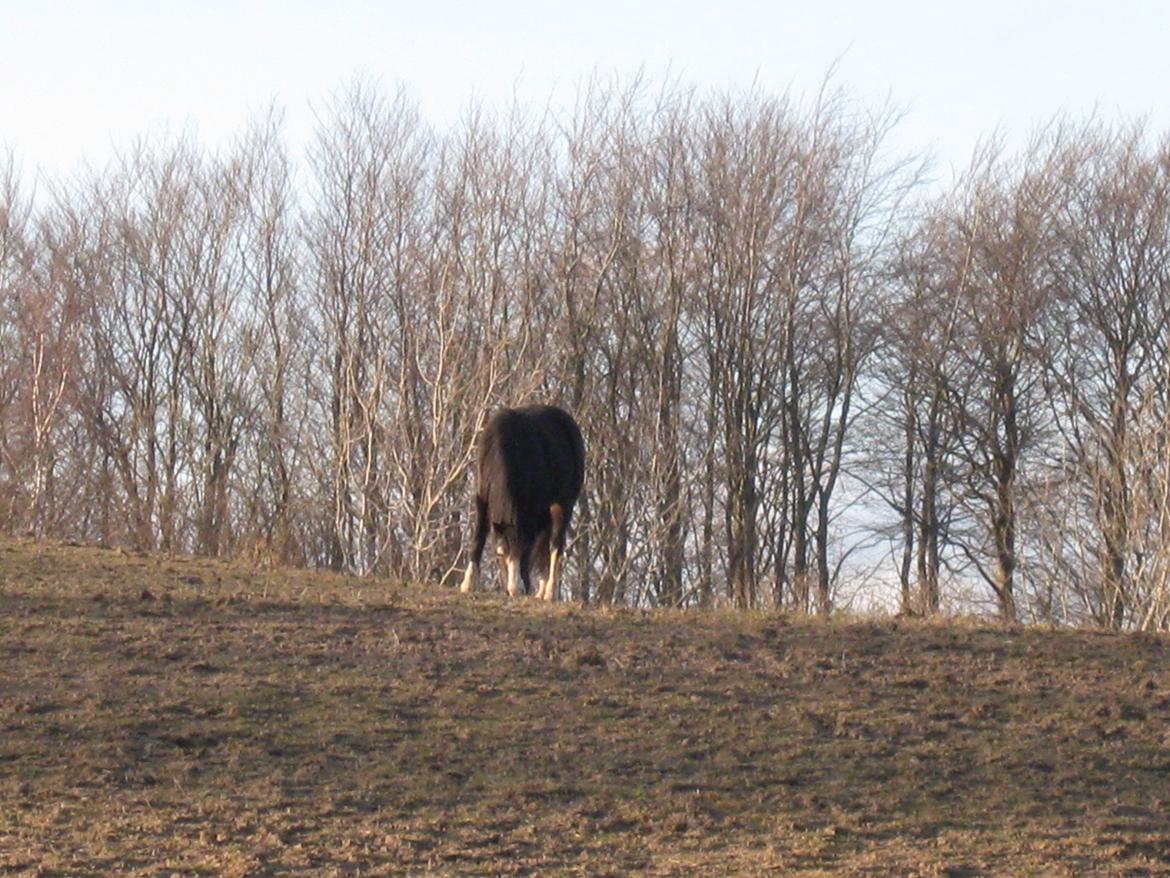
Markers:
point(163, 716)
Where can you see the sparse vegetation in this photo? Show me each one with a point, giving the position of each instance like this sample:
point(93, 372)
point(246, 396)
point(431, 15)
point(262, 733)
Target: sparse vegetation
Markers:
point(165, 715)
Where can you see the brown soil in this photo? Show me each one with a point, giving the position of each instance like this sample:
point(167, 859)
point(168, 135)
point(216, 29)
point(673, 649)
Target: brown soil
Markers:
point(171, 716)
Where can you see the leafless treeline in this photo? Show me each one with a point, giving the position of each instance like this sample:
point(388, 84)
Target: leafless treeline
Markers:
point(782, 351)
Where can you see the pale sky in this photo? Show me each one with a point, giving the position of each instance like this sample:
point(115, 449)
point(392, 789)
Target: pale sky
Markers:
point(84, 78)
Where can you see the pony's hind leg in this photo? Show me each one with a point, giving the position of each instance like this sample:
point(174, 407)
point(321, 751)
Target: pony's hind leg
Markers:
point(556, 544)
point(481, 532)
point(512, 565)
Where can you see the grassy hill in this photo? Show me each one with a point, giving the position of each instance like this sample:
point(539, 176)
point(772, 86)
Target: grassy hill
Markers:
point(173, 716)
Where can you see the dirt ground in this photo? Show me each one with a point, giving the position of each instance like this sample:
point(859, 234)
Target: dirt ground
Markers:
point(179, 717)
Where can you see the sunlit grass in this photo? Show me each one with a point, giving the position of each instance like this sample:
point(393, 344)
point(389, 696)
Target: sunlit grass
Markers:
point(174, 715)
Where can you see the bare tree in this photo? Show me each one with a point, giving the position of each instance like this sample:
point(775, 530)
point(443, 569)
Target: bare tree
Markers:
point(1108, 353)
point(15, 270)
point(909, 386)
point(274, 339)
point(367, 174)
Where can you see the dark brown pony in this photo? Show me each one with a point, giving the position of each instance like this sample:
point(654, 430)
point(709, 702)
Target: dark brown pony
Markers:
point(531, 468)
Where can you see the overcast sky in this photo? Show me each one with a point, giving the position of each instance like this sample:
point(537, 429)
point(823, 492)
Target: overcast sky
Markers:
point(81, 79)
